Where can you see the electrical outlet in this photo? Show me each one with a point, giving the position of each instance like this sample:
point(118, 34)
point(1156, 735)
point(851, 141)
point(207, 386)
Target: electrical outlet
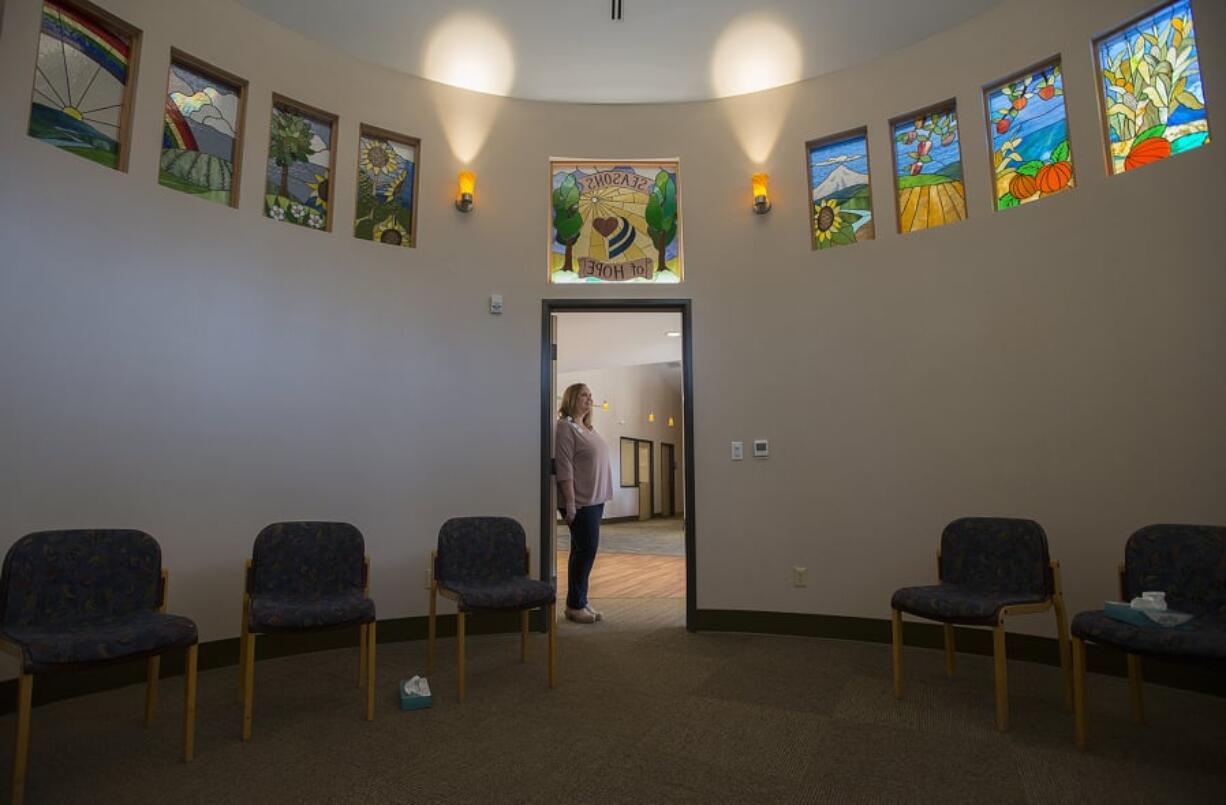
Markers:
point(800, 576)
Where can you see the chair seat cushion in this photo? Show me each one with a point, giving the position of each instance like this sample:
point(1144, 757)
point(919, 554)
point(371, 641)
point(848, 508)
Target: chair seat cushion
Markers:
point(950, 603)
point(516, 593)
point(276, 613)
point(1200, 638)
point(101, 641)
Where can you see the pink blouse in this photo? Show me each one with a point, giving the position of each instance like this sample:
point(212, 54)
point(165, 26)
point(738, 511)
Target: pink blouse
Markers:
point(581, 456)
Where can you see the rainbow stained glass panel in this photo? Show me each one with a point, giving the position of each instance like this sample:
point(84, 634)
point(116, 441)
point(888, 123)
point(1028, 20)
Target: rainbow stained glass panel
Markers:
point(1028, 127)
point(81, 80)
point(200, 130)
point(1153, 97)
point(928, 170)
point(839, 191)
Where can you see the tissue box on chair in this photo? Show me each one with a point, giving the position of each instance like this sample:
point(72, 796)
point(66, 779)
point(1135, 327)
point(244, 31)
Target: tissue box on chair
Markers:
point(415, 694)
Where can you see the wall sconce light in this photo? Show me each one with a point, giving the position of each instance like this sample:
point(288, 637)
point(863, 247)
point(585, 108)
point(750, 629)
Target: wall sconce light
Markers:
point(651, 416)
point(604, 406)
point(467, 181)
point(761, 198)
point(670, 421)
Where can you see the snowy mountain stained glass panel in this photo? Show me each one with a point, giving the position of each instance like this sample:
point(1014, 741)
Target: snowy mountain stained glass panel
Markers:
point(841, 200)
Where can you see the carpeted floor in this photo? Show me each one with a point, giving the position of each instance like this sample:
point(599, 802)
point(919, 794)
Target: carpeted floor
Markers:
point(645, 712)
point(662, 536)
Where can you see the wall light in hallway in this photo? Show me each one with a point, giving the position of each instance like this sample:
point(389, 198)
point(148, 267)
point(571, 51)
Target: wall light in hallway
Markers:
point(673, 333)
point(604, 406)
point(761, 198)
point(670, 421)
point(651, 416)
point(464, 199)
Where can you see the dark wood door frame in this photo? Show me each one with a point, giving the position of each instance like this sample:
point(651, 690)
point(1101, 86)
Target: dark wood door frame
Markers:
point(682, 306)
point(670, 479)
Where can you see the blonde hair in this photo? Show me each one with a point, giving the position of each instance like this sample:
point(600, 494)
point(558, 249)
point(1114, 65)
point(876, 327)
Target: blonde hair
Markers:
point(570, 403)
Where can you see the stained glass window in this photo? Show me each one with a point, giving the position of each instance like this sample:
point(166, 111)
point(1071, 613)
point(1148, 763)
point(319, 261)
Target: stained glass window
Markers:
point(387, 187)
point(842, 211)
point(300, 165)
point(1153, 98)
point(201, 131)
point(82, 80)
point(615, 222)
point(1028, 127)
point(928, 169)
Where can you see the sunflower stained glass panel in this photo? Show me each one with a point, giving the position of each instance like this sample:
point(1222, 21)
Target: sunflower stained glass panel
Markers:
point(1028, 127)
point(1153, 98)
point(301, 157)
point(842, 208)
point(928, 169)
point(615, 222)
point(387, 188)
point(82, 78)
point(201, 127)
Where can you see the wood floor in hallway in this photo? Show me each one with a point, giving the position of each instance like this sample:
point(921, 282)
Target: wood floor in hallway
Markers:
point(627, 575)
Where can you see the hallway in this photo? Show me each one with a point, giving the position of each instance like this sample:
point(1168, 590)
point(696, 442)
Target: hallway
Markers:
point(636, 559)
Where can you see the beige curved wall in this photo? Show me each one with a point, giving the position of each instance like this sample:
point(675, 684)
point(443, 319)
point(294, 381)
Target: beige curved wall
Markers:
point(198, 371)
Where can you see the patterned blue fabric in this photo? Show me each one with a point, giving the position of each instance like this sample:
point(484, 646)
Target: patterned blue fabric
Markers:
point(484, 561)
point(101, 641)
point(997, 555)
point(950, 603)
point(1201, 638)
point(86, 596)
point(308, 575)
point(1187, 562)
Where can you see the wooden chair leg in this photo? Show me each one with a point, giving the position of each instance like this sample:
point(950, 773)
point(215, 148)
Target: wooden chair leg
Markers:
point(896, 651)
point(1066, 666)
point(1079, 692)
point(430, 630)
point(552, 627)
point(242, 651)
point(523, 636)
point(951, 657)
point(21, 749)
point(1002, 681)
point(189, 704)
point(459, 647)
point(362, 654)
point(1135, 699)
point(248, 685)
point(153, 668)
point(370, 671)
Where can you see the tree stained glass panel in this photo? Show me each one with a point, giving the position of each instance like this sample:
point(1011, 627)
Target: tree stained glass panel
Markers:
point(615, 222)
point(300, 163)
point(842, 211)
point(387, 188)
point(201, 126)
point(1153, 98)
point(928, 170)
point(1028, 127)
point(81, 82)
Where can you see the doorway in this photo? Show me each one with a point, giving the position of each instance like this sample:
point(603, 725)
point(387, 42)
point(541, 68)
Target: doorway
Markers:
point(642, 422)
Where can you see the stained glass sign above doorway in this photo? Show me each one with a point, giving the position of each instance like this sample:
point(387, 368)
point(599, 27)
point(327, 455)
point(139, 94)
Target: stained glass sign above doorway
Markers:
point(615, 221)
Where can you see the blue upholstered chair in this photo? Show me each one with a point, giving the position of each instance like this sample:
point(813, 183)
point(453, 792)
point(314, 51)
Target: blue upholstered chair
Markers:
point(482, 564)
point(307, 577)
point(1188, 563)
point(989, 568)
point(77, 599)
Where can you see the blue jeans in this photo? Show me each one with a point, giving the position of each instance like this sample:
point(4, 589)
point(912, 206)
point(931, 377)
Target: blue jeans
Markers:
point(584, 539)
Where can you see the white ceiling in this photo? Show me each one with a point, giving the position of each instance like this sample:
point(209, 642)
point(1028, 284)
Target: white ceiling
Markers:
point(661, 50)
point(604, 340)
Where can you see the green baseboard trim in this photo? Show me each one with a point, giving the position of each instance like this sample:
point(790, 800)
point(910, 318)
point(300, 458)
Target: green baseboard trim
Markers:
point(969, 640)
point(54, 687)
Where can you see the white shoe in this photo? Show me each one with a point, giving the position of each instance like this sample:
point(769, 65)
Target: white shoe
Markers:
point(597, 615)
point(580, 615)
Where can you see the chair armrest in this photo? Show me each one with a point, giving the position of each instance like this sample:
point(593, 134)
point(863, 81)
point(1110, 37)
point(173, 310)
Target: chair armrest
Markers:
point(527, 561)
point(247, 578)
point(366, 576)
point(1057, 585)
point(434, 568)
point(1123, 583)
point(940, 575)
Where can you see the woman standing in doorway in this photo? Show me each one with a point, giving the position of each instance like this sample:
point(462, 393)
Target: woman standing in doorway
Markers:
point(585, 483)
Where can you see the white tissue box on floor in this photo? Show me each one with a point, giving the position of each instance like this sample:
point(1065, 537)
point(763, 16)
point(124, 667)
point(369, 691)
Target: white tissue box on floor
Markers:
point(415, 693)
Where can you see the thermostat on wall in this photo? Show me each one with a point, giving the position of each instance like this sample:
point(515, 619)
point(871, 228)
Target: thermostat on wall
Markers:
point(761, 448)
